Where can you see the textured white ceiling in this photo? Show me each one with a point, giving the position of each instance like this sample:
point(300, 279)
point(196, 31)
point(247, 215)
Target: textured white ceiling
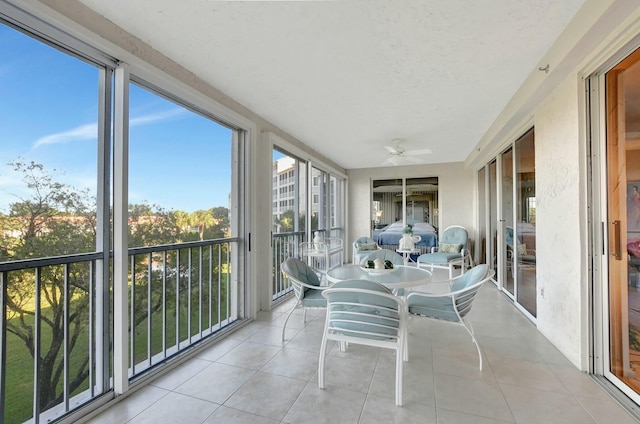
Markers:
point(347, 77)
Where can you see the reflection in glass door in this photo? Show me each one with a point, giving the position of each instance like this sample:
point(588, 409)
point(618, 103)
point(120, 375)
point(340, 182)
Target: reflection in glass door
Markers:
point(493, 219)
point(623, 210)
point(521, 249)
point(507, 220)
point(481, 253)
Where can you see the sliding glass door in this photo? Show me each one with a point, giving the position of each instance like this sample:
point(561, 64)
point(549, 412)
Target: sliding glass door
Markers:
point(622, 86)
point(507, 216)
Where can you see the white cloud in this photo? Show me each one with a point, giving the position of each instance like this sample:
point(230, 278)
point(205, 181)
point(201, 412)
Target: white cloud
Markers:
point(90, 131)
point(162, 116)
point(83, 132)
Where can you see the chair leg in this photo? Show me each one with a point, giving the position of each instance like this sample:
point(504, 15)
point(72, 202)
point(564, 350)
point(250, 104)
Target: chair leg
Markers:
point(469, 328)
point(399, 361)
point(323, 351)
point(284, 327)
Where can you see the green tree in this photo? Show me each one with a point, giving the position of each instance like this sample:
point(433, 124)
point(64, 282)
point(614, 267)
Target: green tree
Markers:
point(286, 221)
point(202, 219)
point(55, 219)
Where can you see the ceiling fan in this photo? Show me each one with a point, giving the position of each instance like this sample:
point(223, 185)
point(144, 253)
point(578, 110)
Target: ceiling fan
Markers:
point(400, 156)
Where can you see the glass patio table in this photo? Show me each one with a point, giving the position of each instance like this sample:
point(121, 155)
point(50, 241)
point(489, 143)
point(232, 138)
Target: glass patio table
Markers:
point(399, 277)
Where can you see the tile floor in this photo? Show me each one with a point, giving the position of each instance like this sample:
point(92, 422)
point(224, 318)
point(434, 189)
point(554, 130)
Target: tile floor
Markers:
point(253, 377)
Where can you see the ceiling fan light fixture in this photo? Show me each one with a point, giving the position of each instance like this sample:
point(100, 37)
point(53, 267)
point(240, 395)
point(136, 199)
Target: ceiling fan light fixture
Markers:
point(400, 156)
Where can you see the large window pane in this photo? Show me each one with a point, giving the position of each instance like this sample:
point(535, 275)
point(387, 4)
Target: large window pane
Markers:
point(180, 195)
point(49, 145)
point(289, 199)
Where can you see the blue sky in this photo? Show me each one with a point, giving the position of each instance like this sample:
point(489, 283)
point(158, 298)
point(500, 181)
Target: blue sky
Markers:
point(48, 114)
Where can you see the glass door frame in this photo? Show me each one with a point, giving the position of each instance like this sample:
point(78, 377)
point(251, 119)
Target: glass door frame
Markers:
point(599, 225)
point(499, 262)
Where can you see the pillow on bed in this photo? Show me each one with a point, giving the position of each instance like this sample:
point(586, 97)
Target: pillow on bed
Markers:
point(395, 226)
point(449, 248)
point(423, 226)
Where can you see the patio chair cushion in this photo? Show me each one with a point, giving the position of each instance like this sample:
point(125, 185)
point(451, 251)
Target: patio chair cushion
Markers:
point(449, 247)
point(366, 246)
point(302, 272)
point(360, 317)
point(470, 277)
point(438, 257)
point(456, 235)
point(314, 299)
point(435, 307)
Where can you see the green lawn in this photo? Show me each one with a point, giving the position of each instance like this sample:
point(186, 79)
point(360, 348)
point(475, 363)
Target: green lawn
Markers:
point(19, 370)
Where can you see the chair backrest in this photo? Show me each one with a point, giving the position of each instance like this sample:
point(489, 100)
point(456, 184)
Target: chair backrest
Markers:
point(364, 309)
point(455, 234)
point(468, 286)
point(362, 240)
point(384, 254)
point(298, 271)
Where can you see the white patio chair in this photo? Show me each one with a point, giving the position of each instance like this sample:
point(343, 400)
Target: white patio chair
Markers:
point(366, 313)
point(454, 305)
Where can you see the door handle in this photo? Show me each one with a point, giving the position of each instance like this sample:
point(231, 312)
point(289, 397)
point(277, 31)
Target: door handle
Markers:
point(616, 240)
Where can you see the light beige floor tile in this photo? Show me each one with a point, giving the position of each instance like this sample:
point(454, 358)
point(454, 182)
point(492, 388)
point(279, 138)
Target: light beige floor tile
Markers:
point(176, 408)
point(219, 349)
point(417, 385)
point(577, 382)
point(605, 410)
point(124, 410)
point(534, 375)
point(293, 363)
point(306, 340)
point(452, 337)
point(224, 415)
point(268, 315)
point(272, 335)
point(249, 330)
point(250, 355)
point(348, 374)
point(471, 396)
point(384, 410)
point(268, 395)
point(461, 363)
point(330, 405)
point(532, 406)
point(216, 383)
point(453, 417)
point(180, 374)
point(496, 348)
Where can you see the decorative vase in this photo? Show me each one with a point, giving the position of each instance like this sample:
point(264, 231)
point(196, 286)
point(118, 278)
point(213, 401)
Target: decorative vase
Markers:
point(318, 241)
point(406, 242)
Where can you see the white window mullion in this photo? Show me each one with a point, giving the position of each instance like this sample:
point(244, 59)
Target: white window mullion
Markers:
point(120, 230)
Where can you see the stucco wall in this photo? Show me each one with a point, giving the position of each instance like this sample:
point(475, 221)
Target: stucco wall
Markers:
point(559, 271)
point(457, 199)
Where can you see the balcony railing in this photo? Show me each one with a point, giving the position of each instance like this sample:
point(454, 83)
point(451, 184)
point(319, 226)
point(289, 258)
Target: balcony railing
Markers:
point(55, 344)
point(284, 245)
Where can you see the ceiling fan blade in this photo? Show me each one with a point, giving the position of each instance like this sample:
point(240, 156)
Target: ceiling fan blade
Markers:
point(419, 152)
point(393, 150)
point(412, 160)
point(393, 160)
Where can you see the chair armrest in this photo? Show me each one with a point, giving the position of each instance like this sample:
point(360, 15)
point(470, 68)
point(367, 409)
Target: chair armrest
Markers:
point(434, 249)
